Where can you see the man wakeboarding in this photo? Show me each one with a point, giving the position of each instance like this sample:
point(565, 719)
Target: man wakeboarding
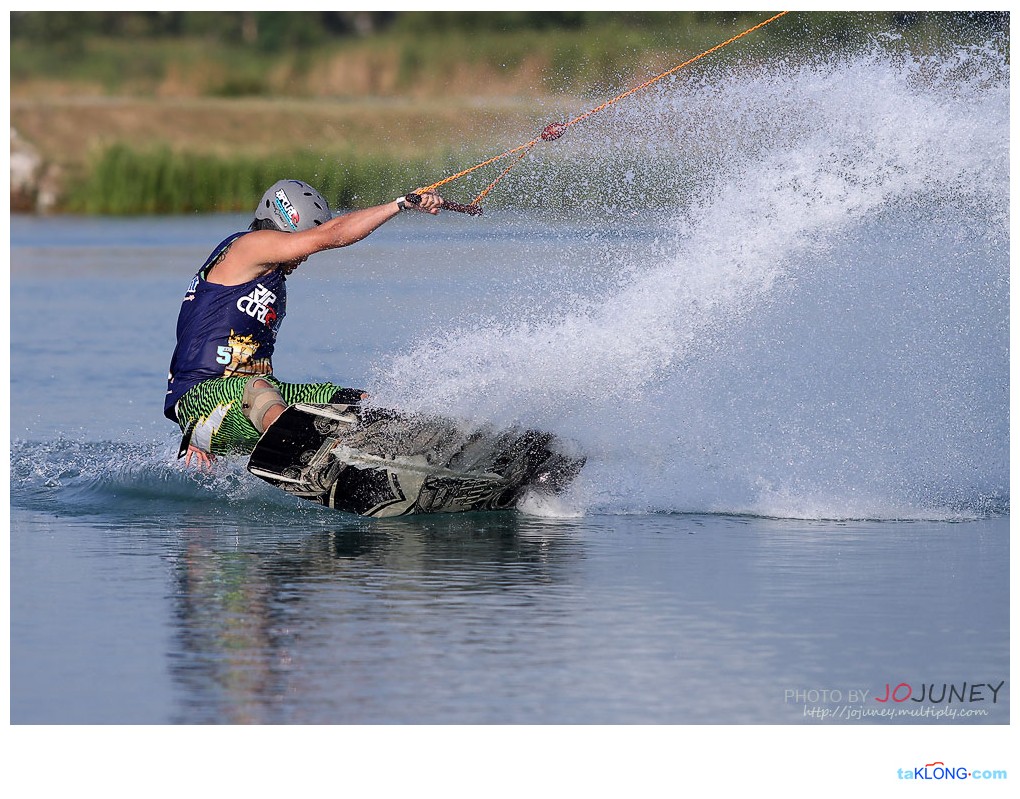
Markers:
point(221, 389)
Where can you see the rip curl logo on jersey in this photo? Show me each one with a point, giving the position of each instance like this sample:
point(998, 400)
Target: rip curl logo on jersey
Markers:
point(286, 207)
point(259, 305)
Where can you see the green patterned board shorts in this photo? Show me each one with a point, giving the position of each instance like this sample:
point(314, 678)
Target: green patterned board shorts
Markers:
point(211, 418)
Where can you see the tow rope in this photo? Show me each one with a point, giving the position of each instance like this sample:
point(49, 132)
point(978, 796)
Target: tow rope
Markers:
point(557, 129)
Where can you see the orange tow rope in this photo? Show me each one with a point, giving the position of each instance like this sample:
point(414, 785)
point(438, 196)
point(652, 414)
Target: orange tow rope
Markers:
point(554, 131)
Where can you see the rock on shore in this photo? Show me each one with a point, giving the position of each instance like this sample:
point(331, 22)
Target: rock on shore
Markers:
point(34, 184)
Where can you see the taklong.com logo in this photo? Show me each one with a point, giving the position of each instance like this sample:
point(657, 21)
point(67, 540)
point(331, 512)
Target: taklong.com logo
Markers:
point(940, 771)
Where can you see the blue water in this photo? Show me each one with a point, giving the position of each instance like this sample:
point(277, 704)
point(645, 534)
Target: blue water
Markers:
point(793, 389)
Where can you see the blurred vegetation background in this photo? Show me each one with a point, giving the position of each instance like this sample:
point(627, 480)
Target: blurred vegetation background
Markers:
point(185, 111)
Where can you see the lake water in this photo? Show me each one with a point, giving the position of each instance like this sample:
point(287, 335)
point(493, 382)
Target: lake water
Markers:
point(793, 389)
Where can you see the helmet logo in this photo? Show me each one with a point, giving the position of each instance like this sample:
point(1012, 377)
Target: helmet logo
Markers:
point(287, 209)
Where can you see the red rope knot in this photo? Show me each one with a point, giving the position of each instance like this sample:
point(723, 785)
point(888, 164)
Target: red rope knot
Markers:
point(553, 131)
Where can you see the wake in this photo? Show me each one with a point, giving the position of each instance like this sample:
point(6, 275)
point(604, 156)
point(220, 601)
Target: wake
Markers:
point(823, 331)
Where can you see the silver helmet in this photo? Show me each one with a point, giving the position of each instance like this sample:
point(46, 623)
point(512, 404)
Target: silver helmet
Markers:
point(293, 206)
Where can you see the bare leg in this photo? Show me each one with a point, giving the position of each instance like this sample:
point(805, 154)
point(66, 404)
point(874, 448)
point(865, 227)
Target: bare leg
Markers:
point(272, 415)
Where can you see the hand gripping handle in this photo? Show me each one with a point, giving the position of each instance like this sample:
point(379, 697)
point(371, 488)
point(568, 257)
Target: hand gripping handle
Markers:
point(471, 210)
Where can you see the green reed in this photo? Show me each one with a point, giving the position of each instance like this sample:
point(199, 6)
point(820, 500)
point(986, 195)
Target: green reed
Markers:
point(123, 180)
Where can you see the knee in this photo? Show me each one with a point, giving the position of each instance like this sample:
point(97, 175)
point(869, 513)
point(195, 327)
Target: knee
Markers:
point(262, 403)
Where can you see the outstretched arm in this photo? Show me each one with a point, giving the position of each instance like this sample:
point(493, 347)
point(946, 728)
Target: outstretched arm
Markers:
point(353, 227)
point(263, 250)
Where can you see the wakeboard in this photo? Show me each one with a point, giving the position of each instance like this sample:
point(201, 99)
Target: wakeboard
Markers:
point(376, 462)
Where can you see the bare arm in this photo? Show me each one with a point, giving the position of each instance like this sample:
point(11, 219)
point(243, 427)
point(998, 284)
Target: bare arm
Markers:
point(261, 251)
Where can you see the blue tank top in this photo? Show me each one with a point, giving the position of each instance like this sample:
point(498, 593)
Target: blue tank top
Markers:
point(225, 331)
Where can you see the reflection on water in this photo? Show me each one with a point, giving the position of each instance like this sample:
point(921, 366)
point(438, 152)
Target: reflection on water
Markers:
point(502, 618)
point(250, 620)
